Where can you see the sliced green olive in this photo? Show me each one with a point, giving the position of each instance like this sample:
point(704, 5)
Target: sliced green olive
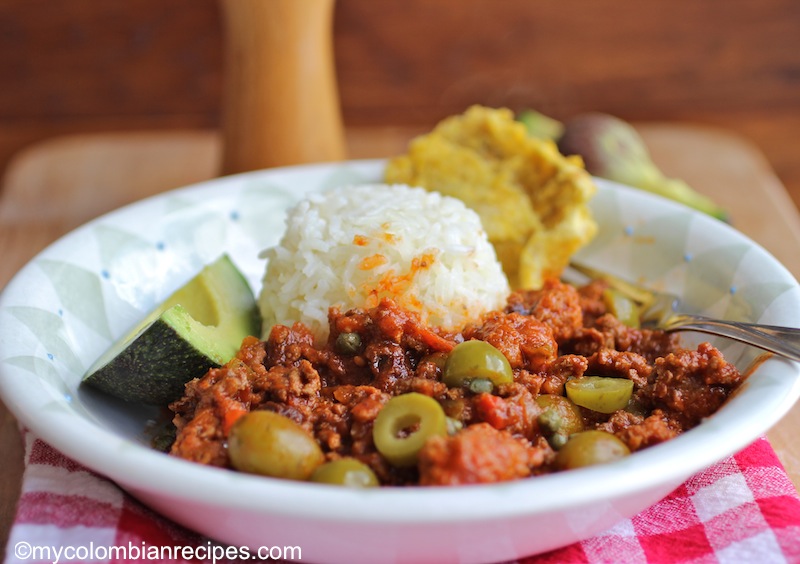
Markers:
point(600, 393)
point(267, 443)
point(559, 418)
point(345, 472)
point(622, 307)
point(473, 360)
point(404, 424)
point(588, 448)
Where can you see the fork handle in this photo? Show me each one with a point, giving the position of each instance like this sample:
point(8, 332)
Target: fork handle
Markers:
point(783, 341)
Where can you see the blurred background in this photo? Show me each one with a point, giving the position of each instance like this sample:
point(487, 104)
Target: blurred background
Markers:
point(70, 66)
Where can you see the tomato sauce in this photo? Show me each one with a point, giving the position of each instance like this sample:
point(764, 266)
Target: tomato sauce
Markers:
point(549, 337)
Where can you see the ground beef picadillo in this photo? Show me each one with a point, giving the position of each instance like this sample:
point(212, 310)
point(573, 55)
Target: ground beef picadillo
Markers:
point(549, 336)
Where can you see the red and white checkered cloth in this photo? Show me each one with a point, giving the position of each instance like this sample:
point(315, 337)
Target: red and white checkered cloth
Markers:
point(742, 510)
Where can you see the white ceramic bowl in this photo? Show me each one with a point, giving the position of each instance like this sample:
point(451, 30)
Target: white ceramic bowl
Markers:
point(71, 301)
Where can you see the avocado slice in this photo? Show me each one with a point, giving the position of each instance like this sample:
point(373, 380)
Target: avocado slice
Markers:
point(200, 326)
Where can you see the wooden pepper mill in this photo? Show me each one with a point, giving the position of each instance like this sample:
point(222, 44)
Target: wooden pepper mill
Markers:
point(280, 97)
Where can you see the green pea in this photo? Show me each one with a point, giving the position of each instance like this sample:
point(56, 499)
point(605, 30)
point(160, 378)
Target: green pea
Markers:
point(267, 443)
point(588, 448)
point(345, 472)
point(472, 360)
point(599, 393)
point(557, 440)
point(403, 426)
point(348, 343)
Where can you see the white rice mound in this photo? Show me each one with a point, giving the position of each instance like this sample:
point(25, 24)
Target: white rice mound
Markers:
point(351, 247)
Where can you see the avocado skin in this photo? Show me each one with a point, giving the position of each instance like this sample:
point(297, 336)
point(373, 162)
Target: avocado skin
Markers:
point(152, 364)
point(147, 367)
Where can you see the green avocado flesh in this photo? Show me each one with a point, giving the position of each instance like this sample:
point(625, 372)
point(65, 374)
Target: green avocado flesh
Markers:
point(198, 327)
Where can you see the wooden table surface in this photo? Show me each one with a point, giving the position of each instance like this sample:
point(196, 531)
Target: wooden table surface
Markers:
point(61, 183)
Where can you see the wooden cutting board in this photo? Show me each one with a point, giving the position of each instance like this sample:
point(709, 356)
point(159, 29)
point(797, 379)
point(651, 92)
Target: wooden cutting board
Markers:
point(57, 185)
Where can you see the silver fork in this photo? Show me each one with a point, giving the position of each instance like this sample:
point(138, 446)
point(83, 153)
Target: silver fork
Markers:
point(661, 310)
